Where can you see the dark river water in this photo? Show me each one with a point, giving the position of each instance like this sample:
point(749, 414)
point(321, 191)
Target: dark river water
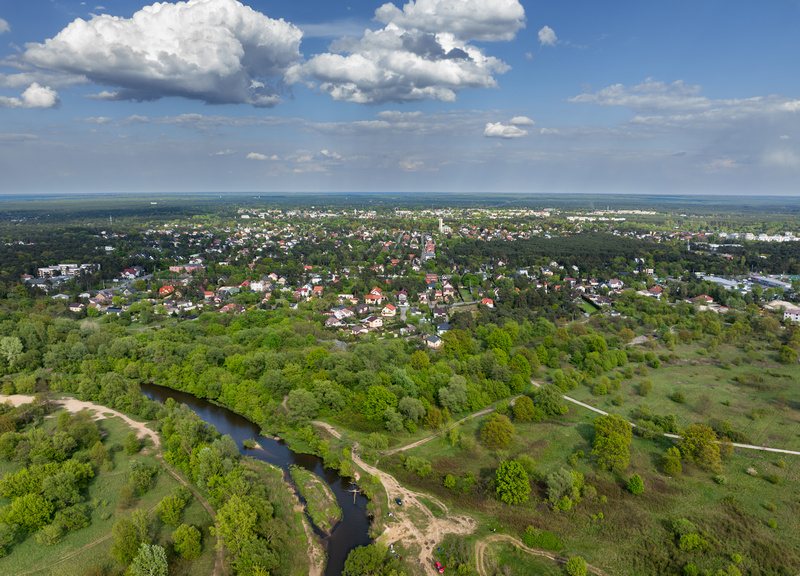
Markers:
point(348, 534)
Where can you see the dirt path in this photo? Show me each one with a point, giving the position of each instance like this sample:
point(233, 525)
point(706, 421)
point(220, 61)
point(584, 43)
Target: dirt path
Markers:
point(75, 405)
point(675, 436)
point(482, 545)
point(142, 431)
point(444, 430)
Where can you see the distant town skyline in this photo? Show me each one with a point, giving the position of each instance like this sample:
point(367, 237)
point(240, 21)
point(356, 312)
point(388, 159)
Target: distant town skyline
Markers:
point(425, 96)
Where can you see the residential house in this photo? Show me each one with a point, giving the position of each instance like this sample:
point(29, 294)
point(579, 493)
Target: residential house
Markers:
point(389, 311)
point(373, 322)
point(433, 341)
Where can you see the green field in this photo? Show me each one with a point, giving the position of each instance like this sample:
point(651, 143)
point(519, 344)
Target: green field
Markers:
point(633, 535)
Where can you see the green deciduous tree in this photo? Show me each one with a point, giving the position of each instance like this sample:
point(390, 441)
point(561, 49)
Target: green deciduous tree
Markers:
point(525, 410)
point(187, 542)
point(236, 523)
point(150, 561)
point(364, 561)
point(698, 444)
point(612, 439)
point(29, 512)
point(170, 510)
point(302, 405)
point(132, 444)
point(497, 432)
point(126, 541)
point(11, 349)
point(512, 482)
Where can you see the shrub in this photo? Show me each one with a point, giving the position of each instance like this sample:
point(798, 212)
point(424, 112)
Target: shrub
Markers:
point(770, 506)
point(636, 485)
point(576, 566)
point(772, 523)
point(645, 387)
point(775, 479)
point(678, 397)
point(692, 543)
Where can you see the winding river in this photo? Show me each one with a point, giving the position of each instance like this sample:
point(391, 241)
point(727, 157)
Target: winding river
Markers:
point(351, 532)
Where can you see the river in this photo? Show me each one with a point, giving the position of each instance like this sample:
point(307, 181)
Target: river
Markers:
point(351, 532)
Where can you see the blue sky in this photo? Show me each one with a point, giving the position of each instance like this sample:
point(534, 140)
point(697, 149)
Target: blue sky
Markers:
point(431, 95)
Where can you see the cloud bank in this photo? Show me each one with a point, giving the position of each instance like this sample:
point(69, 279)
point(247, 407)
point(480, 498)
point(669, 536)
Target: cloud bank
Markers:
point(4, 27)
point(423, 52)
point(216, 51)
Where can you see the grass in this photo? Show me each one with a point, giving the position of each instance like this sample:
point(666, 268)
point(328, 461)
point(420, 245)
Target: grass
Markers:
point(83, 549)
point(515, 562)
point(320, 501)
point(634, 536)
point(766, 411)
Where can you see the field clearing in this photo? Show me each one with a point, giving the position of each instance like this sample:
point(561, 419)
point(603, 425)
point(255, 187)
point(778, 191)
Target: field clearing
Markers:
point(733, 513)
point(764, 404)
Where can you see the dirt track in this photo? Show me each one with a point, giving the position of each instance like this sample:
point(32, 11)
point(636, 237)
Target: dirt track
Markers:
point(482, 545)
point(409, 531)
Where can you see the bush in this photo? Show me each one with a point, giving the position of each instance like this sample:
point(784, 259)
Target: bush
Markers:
point(576, 566)
point(775, 479)
point(678, 397)
point(645, 387)
point(636, 485)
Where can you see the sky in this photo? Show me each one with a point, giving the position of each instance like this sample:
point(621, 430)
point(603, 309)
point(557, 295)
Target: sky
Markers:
point(558, 96)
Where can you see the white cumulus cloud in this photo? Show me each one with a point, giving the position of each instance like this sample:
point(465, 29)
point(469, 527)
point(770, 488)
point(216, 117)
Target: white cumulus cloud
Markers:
point(491, 20)
point(257, 156)
point(500, 130)
point(547, 36)
point(217, 51)
point(521, 121)
point(4, 27)
point(35, 96)
point(423, 52)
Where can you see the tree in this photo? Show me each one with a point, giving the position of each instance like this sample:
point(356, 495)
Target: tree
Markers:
point(612, 439)
point(497, 432)
point(420, 360)
point(636, 485)
point(672, 462)
point(132, 444)
point(126, 541)
point(150, 561)
point(576, 566)
point(550, 400)
point(525, 410)
point(512, 482)
point(11, 348)
point(699, 444)
point(187, 542)
point(170, 510)
point(412, 408)
point(302, 405)
point(236, 522)
point(364, 561)
point(99, 454)
point(30, 512)
point(787, 355)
